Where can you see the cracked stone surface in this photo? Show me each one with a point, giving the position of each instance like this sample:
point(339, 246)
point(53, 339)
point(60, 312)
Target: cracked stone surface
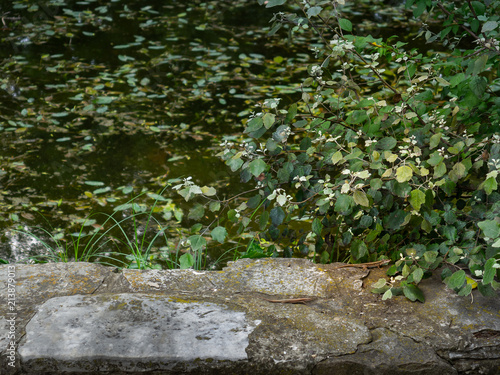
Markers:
point(130, 331)
point(86, 318)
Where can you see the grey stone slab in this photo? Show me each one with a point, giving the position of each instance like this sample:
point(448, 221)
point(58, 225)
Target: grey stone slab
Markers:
point(292, 277)
point(181, 321)
point(52, 279)
point(127, 331)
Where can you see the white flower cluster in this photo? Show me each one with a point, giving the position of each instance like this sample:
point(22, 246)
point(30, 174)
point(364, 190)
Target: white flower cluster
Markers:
point(489, 43)
point(272, 103)
point(339, 46)
point(322, 138)
point(300, 180)
point(316, 71)
point(405, 149)
point(494, 163)
point(348, 185)
point(186, 182)
point(281, 197)
point(442, 152)
point(328, 189)
point(227, 146)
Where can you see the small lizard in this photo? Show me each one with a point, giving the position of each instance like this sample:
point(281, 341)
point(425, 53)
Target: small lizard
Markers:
point(366, 265)
point(290, 300)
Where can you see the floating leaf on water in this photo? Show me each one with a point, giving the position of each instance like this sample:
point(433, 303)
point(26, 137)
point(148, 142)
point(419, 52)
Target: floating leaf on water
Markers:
point(127, 189)
point(102, 190)
point(60, 114)
point(177, 157)
point(104, 100)
point(123, 207)
point(94, 183)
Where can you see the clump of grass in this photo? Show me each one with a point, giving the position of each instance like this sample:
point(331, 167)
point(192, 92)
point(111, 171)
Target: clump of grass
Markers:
point(132, 250)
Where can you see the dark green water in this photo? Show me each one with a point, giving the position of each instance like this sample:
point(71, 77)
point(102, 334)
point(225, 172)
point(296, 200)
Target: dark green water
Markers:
point(103, 100)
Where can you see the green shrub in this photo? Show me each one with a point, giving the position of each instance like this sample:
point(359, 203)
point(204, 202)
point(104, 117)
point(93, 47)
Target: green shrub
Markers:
point(389, 153)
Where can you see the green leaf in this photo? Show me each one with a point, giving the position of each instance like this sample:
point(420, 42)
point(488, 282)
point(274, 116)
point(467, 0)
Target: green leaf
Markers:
point(94, 183)
point(488, 26)
point(292, 112)
point(435, 158)
point(343, 203)
point(489, 271)
point(268, 120)
point(486, 290)
point(277, 215)
point(439, 170)
point(208, 191)
point(479, 64)
point(358, 249)
point(490, 228)
point(219, 234)
point(313, 11)
point(490, 185)
point(254, 124)
point(317, 226)
point(379, 284)
point(404, 174)
point(214, 206)
point(413, 293)
point(479, 7)
point(197, 242)
point(104, 100)
point(430, 256)
point(234, 164)
point(387, 143)
point(417, 199)
point(417, 12)
point(387, 295)
point(186, 261)
point(345, 24)
point(478, 86)
point(457, 79)
point(127, 189)
point(101, 190)
point(361, 198)
point(465, 290)
point(257, 166)
point(417, 275)
point(336, 157)
point(458, 171)
point(273, 3)
point(357, 117)
point(263, 220)
point(196, 212)
point(395, 219)
point(434, 141)
point(456, 280)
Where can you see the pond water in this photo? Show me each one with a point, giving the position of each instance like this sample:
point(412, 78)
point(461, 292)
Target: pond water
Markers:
point(102, 101)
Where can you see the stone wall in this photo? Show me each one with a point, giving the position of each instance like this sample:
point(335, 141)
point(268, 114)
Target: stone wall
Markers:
point(256, 316)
